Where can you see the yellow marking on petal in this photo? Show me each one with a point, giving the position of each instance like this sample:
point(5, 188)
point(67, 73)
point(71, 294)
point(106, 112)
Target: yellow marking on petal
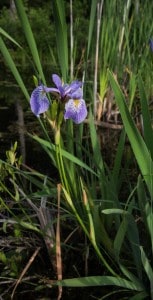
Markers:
point(76, 102)
point(43, 92)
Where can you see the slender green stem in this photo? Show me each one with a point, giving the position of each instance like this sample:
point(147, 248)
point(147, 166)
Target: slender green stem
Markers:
point(59, 158)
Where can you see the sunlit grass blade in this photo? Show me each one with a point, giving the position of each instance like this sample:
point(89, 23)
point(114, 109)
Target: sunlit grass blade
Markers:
point(61, 36)
point(13, 68)
point(138, 145)
point(29, 36)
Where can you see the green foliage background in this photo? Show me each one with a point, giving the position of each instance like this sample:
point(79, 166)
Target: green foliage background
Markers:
point(106, 205)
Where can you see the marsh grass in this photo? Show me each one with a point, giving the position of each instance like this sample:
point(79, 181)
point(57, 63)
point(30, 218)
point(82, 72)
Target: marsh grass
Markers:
point(94, 207)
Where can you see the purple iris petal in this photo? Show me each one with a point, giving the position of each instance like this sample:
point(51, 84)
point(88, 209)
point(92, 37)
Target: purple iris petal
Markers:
point(76, 110)
point(50, 90)
point(39, 102)
point(57, 80)
point(65, 90)
point(77, 94)
point(72, 88)
point(75, 85)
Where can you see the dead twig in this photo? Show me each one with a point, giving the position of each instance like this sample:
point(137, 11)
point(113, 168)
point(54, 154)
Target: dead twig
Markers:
point(25, 270)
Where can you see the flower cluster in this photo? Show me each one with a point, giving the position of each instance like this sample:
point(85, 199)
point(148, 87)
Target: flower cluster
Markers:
point(70, 94)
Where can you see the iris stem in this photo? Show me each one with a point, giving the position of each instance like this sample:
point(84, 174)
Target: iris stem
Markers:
point(59, 158)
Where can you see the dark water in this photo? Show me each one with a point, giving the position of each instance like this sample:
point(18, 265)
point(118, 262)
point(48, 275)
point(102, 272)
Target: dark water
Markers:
point(11, 131)
point(7, 125)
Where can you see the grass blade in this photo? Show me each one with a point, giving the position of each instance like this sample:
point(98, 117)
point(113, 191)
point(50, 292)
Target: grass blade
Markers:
point(97, 157)
point(4, 33)
point(101, 281)
point(138, 145)
point(45, 144)
point(118, 157)
point(29, 36)
point(147, 127)
point(148, 269)
point(91, 24)
point(61, 36)
point(13, 68)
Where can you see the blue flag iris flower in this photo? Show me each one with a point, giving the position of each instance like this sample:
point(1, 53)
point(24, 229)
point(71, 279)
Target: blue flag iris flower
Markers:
point(71, 94)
